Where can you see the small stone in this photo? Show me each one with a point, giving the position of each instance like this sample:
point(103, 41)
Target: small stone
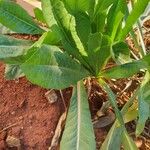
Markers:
point(51, 96)
point(20, 118)
point(52, 133)
point(13, 112)
point(32, 105)
point(139, 143)
point(22, 128)
point(17, 81)
point(13, 142)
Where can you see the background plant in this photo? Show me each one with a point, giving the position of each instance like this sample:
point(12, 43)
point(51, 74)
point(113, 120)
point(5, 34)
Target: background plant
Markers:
point(80, 38)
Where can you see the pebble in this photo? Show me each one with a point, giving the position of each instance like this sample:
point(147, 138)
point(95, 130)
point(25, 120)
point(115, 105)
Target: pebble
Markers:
point(51, 96)
point(13, 112)
point(20, 118)
point(13, 142)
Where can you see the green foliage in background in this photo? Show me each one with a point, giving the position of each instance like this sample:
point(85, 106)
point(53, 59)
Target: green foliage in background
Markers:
point(80, 38)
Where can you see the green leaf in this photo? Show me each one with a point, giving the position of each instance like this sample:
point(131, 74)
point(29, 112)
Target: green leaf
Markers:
point(128, 143)
point(50, 68)
point(116, 24)
point(4, 30)
point(146, 93)
point(98, 24)
point(123, 71)
point(78, 133)
point(113, 139)
point(49, 38)
point(67, 28)
point(146, 60)
point(11, 47)
point(144, 111)
point(115, 17)
point(126, 70)
point(13, 72)
point(143, 107)
point(48, 13)
point(132, 18)
point(91, 8)
point(39, 15)
point(112, 99)
point(131, 114)
point(102, 5)
point(121, 52)
point(98, 50)
point(77, 5)
point(83, 27)
point(17, 19)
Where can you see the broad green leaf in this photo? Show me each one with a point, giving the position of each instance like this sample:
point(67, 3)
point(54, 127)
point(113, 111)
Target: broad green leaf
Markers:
point(116, 24)
point(91, 8)
point(115, 17)
point(13, 72)
point(83, 27)
point(67, 28)
point(138, 9)
point(50, 68)
point(78, 133)
point(113, 139)
point(121, 52)
point(123, 71)
point(52, 38)
point(143, 107)
point(49, 38)
point(47, 12)
point(77, 5)
point(11, 47)
point(98, 24)
point(39, 15)
point(98, 50)
point(102, 5)
point(17, 19)
point(146, 93)
point(128, 143)
point(144, 111)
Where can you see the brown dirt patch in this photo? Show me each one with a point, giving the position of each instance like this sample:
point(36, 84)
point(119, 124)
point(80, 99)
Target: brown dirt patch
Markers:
point(25, 107)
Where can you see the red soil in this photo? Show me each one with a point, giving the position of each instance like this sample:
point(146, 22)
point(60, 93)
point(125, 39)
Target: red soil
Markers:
point(25, 105)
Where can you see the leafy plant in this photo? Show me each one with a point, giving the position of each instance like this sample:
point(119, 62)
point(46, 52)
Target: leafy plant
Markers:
point(80, 38)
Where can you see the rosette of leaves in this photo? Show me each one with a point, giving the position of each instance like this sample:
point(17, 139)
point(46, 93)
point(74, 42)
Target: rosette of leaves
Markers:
point(78, 41)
